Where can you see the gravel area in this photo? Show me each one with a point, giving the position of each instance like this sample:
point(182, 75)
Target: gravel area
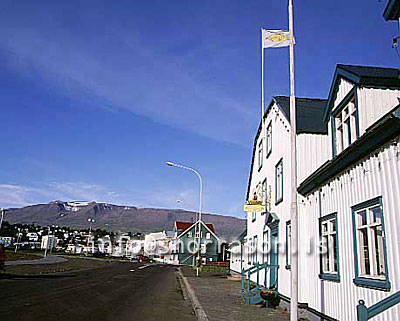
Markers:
point(71, 265)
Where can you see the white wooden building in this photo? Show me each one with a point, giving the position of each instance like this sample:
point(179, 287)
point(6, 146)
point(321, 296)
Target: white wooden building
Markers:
point(269, 181)
point(349, 188)
point(351, 202)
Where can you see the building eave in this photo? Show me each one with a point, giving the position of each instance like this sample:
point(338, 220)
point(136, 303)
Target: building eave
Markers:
point(392, 10)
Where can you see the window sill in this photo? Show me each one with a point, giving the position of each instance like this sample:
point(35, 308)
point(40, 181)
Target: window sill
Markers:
point(377, 284)
point(330, 277)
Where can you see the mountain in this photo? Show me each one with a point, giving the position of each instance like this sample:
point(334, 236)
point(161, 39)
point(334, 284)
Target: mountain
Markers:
point(114, 217)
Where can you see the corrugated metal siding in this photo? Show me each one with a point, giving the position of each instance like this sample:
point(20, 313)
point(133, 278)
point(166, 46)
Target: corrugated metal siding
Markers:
point(373, 103)
point(312, 151)
point(376, 175)
point(344, 88)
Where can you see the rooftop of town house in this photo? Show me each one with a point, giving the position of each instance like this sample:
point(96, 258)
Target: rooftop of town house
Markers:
point(182, 226)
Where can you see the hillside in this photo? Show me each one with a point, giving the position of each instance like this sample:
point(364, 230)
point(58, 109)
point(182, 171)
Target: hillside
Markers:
point(115, 217)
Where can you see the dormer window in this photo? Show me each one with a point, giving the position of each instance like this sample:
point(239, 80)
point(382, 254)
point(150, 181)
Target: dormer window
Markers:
point(345, 124)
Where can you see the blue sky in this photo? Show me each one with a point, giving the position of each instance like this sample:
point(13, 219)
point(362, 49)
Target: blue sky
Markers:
point(97, 95)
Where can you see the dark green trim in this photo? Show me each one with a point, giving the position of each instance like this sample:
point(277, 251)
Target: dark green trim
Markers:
point(352, 94)
point(277, 201)
point(364, 81)
point(378, 284)
point(392, 10)
point(329, 276)
point(375, 136)
point(287, 266)
point(266, 142)
point(364, 313)
point(333, 135)
point(260, 165)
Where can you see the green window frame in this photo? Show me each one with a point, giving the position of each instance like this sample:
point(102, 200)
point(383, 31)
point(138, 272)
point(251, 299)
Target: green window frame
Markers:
point(288, 246)
point(260, 154)
point(344, 104)
point(369, 240)
point(279, 182)
point(268, 143)
point(329, 261)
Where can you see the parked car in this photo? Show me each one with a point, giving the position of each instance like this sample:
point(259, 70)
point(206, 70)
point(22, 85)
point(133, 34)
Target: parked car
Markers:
point(142, 258)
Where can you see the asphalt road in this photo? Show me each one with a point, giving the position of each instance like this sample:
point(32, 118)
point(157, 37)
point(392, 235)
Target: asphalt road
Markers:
point(112, 292)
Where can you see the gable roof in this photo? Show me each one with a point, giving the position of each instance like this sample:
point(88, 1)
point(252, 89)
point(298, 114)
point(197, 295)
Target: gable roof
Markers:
point(381, 132)
point(392, 10)
point(182, 226)
point(309, 119)
point(367, 76)
point(309, 113)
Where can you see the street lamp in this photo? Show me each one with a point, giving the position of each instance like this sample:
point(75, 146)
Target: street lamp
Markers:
point(90, 220)
point(2, 217)
point(200, 204)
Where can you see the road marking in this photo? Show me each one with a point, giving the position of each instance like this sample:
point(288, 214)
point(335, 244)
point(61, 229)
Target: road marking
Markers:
point(144, 266)
point(131, 270)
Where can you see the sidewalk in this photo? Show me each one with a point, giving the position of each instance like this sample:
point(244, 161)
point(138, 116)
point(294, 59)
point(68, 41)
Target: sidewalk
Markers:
point(220, 298)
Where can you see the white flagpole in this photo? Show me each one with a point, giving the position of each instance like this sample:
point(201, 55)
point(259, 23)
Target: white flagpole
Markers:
point(294, 214)
point(262, 78)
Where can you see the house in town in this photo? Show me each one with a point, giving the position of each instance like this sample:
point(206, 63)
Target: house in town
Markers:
point(185, 235)
point(351, 202)
point(269, 183)
point(348, 169)
point(156, 245)
point(48, 242)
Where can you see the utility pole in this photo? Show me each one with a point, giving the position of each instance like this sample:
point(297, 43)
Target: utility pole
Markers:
point(294, 215)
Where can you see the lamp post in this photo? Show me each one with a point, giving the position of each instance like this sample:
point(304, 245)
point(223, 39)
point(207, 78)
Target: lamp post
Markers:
point(90, 220)
point(2, 217)
point(200, 205)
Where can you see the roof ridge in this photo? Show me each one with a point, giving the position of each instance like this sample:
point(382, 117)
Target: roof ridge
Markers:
point(364, 66)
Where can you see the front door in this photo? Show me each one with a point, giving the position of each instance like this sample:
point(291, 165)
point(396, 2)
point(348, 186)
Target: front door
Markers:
point(273, 277)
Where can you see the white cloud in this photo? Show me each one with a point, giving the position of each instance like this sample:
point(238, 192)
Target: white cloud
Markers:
point(20, 195)
point(132, 74)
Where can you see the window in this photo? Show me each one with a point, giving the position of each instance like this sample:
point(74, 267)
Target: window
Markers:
point(346, 123)
point(279, 182)
point(288, 244)
point(203, 248)
point(208, 235)
point(269, 139)
point(255, 252)
point(253, 216)
point(249, 243)
point(329, 241)
point(370, 245)
point(264, 192)
point(190, 234)
point(265, 246)
point(260, 155)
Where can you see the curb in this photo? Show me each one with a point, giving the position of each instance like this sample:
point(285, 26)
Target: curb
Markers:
point(198, 309)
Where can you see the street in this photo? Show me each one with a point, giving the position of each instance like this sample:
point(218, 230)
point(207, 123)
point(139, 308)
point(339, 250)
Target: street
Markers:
point(118, 291)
